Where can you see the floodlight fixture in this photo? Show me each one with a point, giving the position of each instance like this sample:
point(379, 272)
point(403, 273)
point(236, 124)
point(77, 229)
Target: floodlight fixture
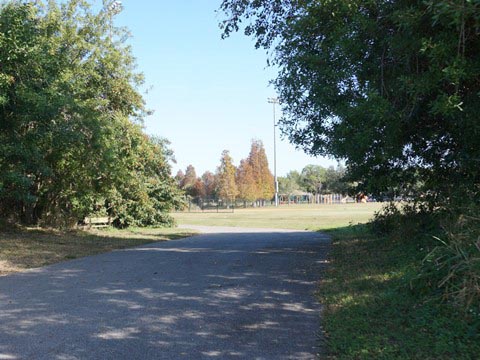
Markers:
point(115, 7)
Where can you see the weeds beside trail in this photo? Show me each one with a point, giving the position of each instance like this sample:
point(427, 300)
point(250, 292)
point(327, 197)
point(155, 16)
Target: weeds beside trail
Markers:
point(382, 300)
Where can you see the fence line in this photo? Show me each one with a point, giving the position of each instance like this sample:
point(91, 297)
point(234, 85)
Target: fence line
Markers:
point(212, 204)
point(316, 199)
point(199, 204)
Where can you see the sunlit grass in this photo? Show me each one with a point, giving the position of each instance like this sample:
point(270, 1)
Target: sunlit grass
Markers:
point(300, 217)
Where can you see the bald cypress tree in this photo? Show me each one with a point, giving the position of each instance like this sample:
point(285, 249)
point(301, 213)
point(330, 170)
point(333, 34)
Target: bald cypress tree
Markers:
point(264, 183)
point(246, 183)
point(226, 185)
point(189, 180)
point(208, 180)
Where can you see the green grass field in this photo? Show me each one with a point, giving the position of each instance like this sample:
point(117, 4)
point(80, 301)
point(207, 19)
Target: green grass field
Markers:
point(300, 217)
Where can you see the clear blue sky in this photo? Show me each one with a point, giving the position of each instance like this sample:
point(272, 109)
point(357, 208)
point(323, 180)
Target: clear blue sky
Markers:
point(207, 94)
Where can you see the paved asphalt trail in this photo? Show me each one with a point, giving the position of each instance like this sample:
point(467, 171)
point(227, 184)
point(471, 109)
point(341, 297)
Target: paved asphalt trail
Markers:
point(229, 294)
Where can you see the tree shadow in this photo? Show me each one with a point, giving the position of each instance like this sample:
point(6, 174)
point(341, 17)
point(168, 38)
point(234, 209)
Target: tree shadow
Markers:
point(29, 248)
point(372, 310)
point(242, 295)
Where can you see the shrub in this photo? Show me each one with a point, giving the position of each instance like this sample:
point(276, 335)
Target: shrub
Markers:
point(404, 221)
point(453, 266)
point(450, 270)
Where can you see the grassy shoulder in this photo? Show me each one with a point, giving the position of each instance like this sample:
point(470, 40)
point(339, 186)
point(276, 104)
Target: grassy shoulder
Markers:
point(22, 249)
point(370, 311)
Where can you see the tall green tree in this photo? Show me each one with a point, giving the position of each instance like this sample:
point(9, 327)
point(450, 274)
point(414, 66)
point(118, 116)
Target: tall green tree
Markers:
point(335, 182)
point(313, 178)
point(287, 185)
point(390, 86)
point(148, 193)
point(70, 113)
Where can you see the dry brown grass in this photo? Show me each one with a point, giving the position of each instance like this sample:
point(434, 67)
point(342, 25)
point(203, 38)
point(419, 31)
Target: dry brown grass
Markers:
point(22, 249)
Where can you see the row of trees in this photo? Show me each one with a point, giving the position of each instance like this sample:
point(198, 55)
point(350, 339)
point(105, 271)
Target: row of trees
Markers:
point(71, 141)
point(314, 179)
point(250, 181)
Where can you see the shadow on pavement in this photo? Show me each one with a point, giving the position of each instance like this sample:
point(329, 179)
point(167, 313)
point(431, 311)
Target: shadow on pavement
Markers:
point(242, 295)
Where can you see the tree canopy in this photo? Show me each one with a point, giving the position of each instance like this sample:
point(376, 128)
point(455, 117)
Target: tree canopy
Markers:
point(71, 140)
point(391, 87)
point(315, 179)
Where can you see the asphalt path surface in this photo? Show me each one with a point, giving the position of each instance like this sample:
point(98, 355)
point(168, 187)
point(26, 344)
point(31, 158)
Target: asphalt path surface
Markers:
point(228, 294)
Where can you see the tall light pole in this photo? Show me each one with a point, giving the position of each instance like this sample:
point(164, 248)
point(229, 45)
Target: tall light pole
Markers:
point(274, 101)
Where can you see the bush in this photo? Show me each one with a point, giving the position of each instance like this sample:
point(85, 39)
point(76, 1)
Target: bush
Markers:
point(386, 220)
point(404, 221)
point(453, 266)
point(450, 270)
